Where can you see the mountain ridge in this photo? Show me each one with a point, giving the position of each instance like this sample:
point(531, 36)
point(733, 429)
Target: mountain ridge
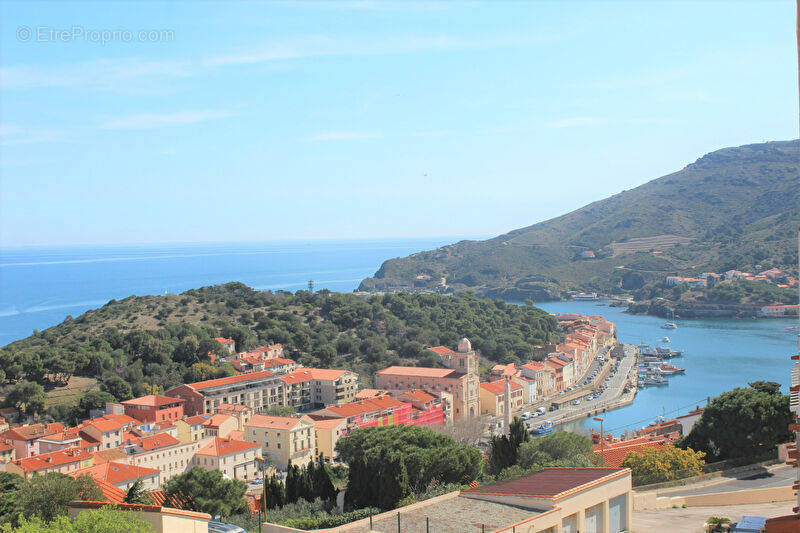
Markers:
point(731, 208)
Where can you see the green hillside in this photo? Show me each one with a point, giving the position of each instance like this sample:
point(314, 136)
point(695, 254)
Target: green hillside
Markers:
point(733, 208)
point(157, 342)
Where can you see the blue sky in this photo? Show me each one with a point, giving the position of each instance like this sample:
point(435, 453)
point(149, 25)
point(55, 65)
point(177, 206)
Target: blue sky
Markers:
point(268, 121)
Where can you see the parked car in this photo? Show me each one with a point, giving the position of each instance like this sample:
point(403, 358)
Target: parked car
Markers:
point(576, 401)
point(222, 527)
point(526, 415)
point(540, 410)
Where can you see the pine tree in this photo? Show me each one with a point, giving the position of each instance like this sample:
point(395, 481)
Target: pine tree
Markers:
point(274, 493)
point(137, 494)
point(394, 480)
point(323, 485)
point(292, 483)
point(358, 484)
point(307, 490)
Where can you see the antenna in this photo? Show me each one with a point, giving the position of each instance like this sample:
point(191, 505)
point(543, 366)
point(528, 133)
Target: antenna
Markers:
point(311, 285)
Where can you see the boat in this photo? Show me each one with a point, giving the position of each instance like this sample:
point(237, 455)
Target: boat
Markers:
point(664, 339)
point(663, 351)
point(670, 370)
point(585, 297)
point(647, 350)
point(544, 429)
point(656, 381)
point(669, 325)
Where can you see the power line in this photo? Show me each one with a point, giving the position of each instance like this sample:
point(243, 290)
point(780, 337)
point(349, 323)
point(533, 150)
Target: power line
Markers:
point(649, 419)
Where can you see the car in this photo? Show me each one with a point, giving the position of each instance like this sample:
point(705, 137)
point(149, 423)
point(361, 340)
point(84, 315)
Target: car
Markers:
point(222, 527)
point(576, 401)
point(526, 415)
point(540, 410)
point(534, 415)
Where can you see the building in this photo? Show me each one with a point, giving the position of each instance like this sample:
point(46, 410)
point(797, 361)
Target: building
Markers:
point(460, 379)
point(695, 283)
point(614, 452)
point(311, 388)
point(162, 452)
point(258, 390)
point(107, 430)
point(228, 344)
point(565, 499)
point(776, 311)
point(191, 428)
point(283, 439)
point(161, 519)
point(63, 462)
point(7, 453)
point(69, 438)
point(327, 432)
point(385, 411)
point(154, 408)
point(241, 413)
point(588, 254)
point(123, 475)
point(25, 439)
point(493, 397)
point(543, 375)
point(562, 366)
point(688, 420)
point(236, 459)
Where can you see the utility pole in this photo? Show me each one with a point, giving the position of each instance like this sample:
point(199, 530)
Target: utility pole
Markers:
point(600, 419)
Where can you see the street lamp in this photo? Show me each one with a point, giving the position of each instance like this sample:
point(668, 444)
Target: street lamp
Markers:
point(600, 419)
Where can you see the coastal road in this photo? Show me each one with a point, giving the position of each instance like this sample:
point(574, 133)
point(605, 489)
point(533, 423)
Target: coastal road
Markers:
point(760, 478)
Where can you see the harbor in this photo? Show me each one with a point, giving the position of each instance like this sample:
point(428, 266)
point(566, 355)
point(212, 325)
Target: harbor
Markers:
point(717, 355)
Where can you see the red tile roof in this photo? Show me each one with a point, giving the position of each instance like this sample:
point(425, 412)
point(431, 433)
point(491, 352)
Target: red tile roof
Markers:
point(305, 374)
point(418, 371)
point(499, 386)
point(107, 423)
point(49, 460)
point(614, 453)
point(278, 361)
point(153, 400)
point(370, 393)
point(114, 473)
point(419, 396)
point(221, 447)
point(272, 422)
point(241, 378)
point(33, 431)
point(223, 340)
point(442, 350)
point(159, 440)
point(548, 483)
point(361, 407)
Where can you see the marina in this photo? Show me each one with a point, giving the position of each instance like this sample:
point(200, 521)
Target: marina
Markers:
point(716, 355)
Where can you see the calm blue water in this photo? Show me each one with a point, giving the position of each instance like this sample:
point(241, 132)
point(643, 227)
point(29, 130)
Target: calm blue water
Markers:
point(719, 355)
point(40, 286)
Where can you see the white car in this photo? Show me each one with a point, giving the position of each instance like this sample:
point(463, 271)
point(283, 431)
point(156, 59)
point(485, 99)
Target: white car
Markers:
point(526, 415)
point(541, 410)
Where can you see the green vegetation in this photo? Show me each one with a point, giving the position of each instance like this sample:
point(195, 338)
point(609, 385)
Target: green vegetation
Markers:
point(744, 422)
point(562, 448)
point(148, 344)
point(43, 497)
point(503, 450)
point(734, 208)
point(103, 520)
point(207, 491)
point(388, 464)
point(317, 514)
point(654, 465)
point(309, 483)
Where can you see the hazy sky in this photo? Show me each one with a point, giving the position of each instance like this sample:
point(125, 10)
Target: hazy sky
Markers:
point(265, 121)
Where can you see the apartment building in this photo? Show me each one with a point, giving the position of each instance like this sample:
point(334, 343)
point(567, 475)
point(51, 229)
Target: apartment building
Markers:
point(191, 428)
point(327, 432)
point(107, 430)
point(310, 388)
point(162, 452)
point(25, 439)
point(283, 438)
point(154, 408)
point(236, 459)
point(123, 475)
point(493, 397)
point(62, 462)
point(460, 380)
point(257, 390)
point(542, 374)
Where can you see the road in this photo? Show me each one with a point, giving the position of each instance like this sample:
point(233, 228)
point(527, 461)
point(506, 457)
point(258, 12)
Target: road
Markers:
point(760, 478)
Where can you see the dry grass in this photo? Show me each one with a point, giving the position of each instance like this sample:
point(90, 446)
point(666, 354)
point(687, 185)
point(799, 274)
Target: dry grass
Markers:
point(69, 394)
point(645, 244)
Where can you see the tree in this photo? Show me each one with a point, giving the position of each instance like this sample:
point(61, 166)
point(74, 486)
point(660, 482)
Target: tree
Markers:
point(664, 464)
point(427, 455)
point(503, 450)
point(275, 494)
point(26, 396)
point(562, 448)
point(207, 491)
point(744, 422)
point(321, 481)
point(293, 483)
point(102, 520)
point(47, 496)
point(137, 494)
point(393, 479)
point(10, 506)
point(93, 399)
point(770, 387)
point(117, 387)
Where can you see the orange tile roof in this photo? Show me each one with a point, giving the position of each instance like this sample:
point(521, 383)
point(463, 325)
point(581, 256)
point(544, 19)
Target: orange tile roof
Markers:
point(49, 460)
point(159, 440)
point(216, 419)
point(232, 408)
point(33, 431)
point(441, 350)
point(305, 374)
point(328, 423)
point(361, 407)
point(107, 423)
point(418, 371)
point(272, 422)
point(223, 340)
point(112, 454)
point(6, 446)
point(220, 447)
point(499, 386)
point(278, 361)
point(197, 420)
point(200, 385)
point(153, 400)
point(536, 366)
point(111, 493)
point(370, 393)
point(614, 454)
point(419, 395)
point(114, 473)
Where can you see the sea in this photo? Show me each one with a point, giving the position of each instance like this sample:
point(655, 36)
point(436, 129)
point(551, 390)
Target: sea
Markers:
point(41, 286)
